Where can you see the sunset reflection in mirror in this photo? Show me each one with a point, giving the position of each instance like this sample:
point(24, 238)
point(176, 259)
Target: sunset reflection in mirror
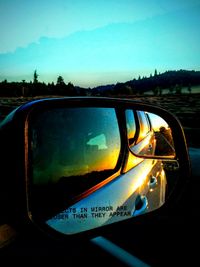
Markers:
point(72, 149)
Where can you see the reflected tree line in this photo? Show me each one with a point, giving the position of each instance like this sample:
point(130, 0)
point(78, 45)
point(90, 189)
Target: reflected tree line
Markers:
point(173, 81)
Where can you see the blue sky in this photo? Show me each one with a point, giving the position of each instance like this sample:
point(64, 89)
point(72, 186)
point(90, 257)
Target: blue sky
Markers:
point(93, 42)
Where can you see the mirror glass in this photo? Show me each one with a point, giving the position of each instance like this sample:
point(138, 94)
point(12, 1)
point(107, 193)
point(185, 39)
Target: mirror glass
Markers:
point(149, 134)
point(84, 168)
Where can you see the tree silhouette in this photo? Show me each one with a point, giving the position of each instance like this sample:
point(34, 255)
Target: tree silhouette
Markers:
point(60, 80)
point(35, 77)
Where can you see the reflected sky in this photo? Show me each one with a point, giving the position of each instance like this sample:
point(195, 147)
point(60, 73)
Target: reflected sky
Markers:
point(157, 121)
point(71, 142)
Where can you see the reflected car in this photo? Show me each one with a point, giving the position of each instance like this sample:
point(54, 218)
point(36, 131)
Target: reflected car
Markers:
point(92, 155)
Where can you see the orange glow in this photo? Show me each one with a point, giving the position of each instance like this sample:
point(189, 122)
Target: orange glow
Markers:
point(142, 173)
point(141, 180)
point(104, 161)
point(162, 173)
point(55, 170)
point(132, 162)
point(142, 135)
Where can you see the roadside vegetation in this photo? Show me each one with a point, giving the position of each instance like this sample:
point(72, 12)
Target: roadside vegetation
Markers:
point(169, 82)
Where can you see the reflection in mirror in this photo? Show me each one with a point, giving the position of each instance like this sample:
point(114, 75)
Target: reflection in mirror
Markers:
point(76, 166)
point(153, 136)
point(163, 136)
point(72, 151)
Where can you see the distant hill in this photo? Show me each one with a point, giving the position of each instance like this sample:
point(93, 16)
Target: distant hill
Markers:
point(172, 80)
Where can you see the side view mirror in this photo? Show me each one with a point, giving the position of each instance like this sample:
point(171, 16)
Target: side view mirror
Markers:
point(84, 163)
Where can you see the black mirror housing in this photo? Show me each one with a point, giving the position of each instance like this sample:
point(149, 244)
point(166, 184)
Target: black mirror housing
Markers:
point(108, 155)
